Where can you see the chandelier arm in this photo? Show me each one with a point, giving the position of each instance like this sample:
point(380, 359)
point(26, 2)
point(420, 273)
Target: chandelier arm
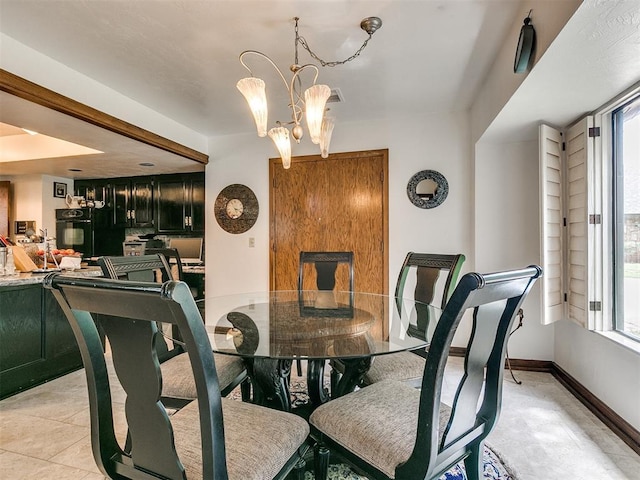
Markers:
point(297, 111)
point(262, 55)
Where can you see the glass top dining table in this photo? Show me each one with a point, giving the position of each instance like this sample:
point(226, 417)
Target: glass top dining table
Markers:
point(271, 329)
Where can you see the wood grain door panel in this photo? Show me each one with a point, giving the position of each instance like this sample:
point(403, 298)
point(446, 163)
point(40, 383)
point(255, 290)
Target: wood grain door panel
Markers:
point(334, 204)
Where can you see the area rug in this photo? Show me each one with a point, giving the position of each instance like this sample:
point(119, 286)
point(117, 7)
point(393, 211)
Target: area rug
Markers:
point(493, 466)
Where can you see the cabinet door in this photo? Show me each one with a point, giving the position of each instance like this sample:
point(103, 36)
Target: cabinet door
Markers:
point(83, 188)
point(97, 190)
point(197, 205)
point(121, 207)
point(141, 202)
point(170, 201)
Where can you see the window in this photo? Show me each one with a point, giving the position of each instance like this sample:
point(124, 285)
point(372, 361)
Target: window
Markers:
point(590, 219)
point(625, 210)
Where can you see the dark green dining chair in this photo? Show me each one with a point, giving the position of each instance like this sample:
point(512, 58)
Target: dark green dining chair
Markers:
point(177, 385)
point(436, 276)
point(211, 437)
point(325, 267)
point(391, 430)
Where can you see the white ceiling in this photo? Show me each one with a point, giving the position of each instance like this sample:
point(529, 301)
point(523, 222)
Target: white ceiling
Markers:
point(180, 57)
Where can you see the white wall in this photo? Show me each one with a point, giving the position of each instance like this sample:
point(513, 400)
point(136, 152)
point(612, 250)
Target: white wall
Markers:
point(507, 231)
point(548, 17)
point(32, 199)
point(608, 370)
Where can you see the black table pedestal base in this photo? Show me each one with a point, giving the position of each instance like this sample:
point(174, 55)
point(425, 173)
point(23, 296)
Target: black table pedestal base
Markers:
point(270, 380)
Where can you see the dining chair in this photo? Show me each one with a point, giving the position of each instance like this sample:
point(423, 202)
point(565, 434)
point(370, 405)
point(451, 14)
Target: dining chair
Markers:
point(392, 430)
point(325, 266)
point(175, 263)
point(435, 279)
point(172, 256)
point(211, 437)
point(177, 385)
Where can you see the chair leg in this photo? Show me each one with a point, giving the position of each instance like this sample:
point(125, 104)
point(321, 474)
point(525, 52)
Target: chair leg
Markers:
point(245, 390)
point(320, 462)
point(474, 464)
point(299, 367)
point(299, 469)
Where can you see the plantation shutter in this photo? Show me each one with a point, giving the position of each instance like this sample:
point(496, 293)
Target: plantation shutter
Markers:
point(578, 151)
point(567, 223)
point(551, 221)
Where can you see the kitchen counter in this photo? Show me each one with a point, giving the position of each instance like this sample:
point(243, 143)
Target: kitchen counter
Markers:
point(32, 278)
point(36, 340)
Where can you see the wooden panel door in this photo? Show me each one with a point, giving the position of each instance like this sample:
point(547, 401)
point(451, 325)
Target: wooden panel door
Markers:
point(334, 204)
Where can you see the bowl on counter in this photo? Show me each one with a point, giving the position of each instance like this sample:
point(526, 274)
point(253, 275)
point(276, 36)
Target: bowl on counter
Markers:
point(70, 262)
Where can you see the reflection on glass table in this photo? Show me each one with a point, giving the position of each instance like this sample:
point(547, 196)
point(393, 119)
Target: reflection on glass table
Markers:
point(270, 329)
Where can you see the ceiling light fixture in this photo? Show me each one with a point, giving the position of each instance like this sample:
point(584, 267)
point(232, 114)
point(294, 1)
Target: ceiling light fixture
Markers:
point(311, 104)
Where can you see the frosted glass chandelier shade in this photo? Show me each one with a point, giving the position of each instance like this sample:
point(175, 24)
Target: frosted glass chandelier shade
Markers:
point(315, 100)
point(325, 135)
point(254, 92)
point(280, 136)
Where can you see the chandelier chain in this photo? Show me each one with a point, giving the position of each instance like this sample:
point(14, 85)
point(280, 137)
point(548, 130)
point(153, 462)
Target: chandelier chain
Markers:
point(301, 40)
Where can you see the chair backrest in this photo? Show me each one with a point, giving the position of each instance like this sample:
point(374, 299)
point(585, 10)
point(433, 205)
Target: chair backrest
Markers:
point(129, 311)
point(326, 264)
point(141, 268)
point(495, 299)
point(172, 257)
point(324, 302)
point(145, 268)
point(429, 269)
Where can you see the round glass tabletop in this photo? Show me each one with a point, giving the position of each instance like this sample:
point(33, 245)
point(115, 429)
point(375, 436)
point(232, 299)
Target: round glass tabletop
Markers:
point(317, 324)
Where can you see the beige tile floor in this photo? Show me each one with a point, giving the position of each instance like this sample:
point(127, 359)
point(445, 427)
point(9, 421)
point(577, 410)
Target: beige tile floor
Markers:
point(544, 433)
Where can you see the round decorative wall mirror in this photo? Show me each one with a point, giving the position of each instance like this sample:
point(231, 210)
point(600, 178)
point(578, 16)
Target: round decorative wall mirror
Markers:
point(427, 189)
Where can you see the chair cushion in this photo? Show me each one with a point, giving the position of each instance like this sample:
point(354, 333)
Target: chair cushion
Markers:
point(177, 377)
point(402, 366)
point(258, 441)
point(377, 423)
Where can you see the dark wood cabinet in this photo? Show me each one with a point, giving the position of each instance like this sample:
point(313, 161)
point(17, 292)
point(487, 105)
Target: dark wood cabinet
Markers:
point(169, 203)
point(197, 203)
point(36, 341)
point(179, 203)
point(132, 202)
point(100, 191)
point(128, 202)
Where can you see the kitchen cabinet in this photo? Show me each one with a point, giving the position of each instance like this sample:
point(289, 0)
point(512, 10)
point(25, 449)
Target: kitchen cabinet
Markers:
point(97, 190)
point(128, 202)
point(132, 202)
point(179, 203)
point(36, 341)
point(169, 203)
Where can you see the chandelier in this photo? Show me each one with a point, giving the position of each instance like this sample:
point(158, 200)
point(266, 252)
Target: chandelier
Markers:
point(311, 105)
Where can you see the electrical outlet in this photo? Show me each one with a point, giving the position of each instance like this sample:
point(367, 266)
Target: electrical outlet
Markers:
point(252, 242)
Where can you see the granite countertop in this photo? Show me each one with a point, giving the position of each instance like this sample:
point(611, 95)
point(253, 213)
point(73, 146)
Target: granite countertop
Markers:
point(31, 278)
